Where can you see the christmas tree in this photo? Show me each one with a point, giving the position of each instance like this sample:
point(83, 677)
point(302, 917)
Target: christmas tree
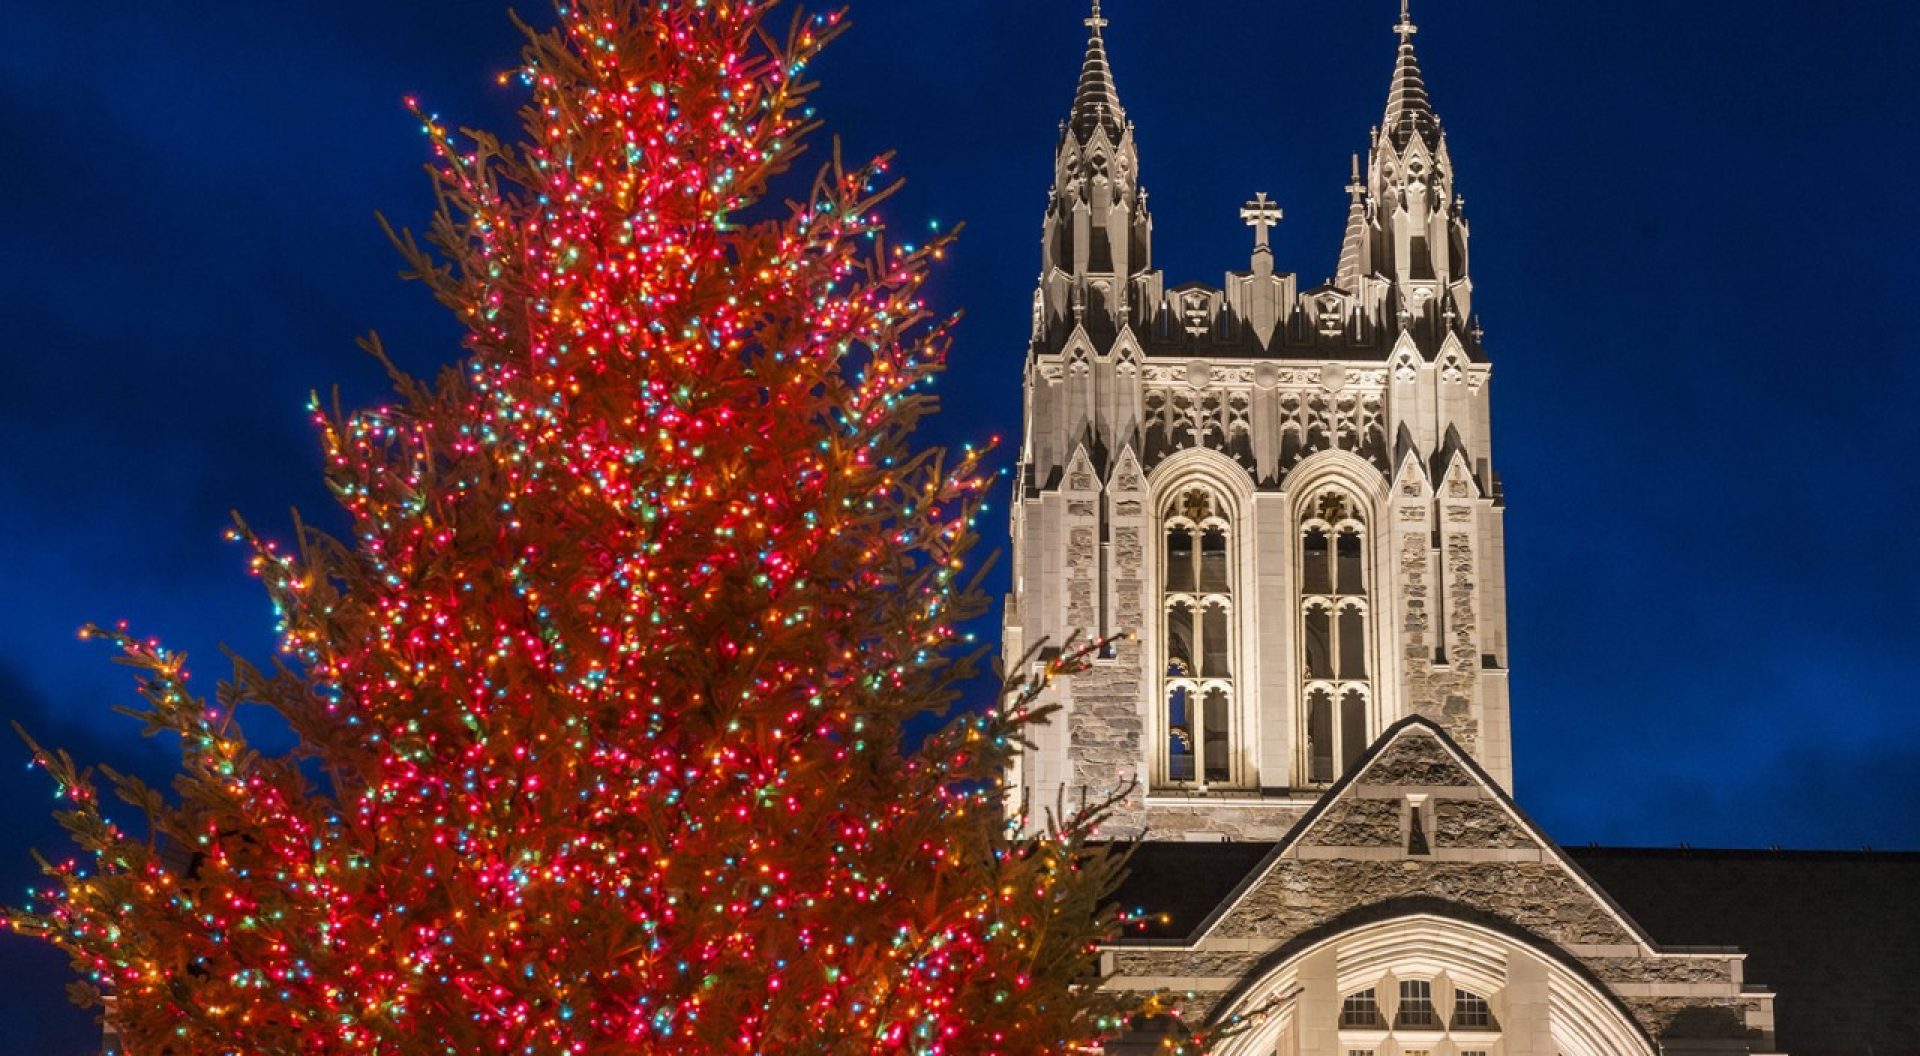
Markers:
point(599, 709)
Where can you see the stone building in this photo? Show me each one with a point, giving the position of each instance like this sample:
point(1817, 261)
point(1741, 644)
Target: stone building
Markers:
point(1280, 501)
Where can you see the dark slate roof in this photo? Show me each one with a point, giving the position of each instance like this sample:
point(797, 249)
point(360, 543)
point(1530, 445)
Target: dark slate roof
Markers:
point(1177, 885)
point(1836, 934)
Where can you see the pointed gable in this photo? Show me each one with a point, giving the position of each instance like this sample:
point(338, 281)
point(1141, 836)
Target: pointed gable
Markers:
point(1410, 480)
point(1081, 479)
point(1127, 478)
point(1417, 818)
point(1453, 466)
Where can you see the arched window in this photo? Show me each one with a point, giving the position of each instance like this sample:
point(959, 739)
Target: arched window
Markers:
point(1180, 748)
point(1337, 637)
point(1200, 647)
point(1317, 576)
point(1414, 1013)
point(1416, 1010)
point(1361, 1011)
point(1180, 565)
point(1471, 1012)
point(1319, 735)
point(1352, 632)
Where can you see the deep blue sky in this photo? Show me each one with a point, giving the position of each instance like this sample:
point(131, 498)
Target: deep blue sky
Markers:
point(1689, 221)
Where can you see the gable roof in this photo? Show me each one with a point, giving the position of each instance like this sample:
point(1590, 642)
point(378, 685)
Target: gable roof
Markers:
point(1177, 886)
point(1835, 934)
point(1459, 769)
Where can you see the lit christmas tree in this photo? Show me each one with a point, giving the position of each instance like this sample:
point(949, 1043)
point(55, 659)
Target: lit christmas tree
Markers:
point(600, 710)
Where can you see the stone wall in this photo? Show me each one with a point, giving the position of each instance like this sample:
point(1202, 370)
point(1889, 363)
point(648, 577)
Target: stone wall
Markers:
point(1360, 823)
point(1408, 761)
point(1694, 1018)
point(1477, 823)
point(1445, 692)
point(1483, 861)
point(1105, 735)
point(1199, 819)
point(1540, 897)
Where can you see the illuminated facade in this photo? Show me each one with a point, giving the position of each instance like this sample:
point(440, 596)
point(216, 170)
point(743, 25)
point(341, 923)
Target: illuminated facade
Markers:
point(1280, 501)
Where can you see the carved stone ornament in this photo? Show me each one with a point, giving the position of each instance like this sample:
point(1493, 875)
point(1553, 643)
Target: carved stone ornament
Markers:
point(1331, 315)
point(1196, 312)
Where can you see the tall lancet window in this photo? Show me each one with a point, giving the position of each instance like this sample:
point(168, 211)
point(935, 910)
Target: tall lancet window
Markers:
point(1336, 636)
point(1197, 586)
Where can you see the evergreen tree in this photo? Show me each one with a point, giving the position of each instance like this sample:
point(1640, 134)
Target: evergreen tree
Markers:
point(599, 710)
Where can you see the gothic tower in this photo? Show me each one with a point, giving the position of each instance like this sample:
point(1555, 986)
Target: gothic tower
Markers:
point(1281, 500)
point(1279, 505)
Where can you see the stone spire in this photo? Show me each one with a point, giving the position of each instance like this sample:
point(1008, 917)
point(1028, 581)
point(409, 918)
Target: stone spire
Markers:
point(1347, 275)
point(1098, 236)
point(1097, 102)
point(1409, 110)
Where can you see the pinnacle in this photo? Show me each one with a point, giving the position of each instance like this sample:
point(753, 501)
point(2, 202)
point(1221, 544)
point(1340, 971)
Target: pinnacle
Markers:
point(1409, 109)
point(1096, 104)
point(1347, 273)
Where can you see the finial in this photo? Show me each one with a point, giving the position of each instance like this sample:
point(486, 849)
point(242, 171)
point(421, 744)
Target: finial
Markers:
point(1261, 214)
point(1354, 186)
point(1096, 23)
point(1406, 28)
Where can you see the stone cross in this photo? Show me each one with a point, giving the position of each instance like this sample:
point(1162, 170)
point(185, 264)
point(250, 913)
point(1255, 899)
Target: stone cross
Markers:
point(1261, 214)
point(1406, 28)
point(1096, 22)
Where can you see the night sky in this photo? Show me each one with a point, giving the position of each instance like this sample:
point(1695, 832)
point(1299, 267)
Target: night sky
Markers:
point(1689, 221)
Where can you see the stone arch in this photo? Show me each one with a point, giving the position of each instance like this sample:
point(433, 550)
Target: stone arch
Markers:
point(1219, 475)
point(1584, 1018)
point(1201, 465)
point(1322, 741)
point(1341, 468)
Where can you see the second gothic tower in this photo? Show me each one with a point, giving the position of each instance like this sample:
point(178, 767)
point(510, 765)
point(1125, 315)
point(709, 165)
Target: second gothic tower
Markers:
point(1280, 500)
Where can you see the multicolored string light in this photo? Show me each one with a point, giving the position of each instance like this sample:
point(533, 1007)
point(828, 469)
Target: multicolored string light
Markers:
point(600, 707)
